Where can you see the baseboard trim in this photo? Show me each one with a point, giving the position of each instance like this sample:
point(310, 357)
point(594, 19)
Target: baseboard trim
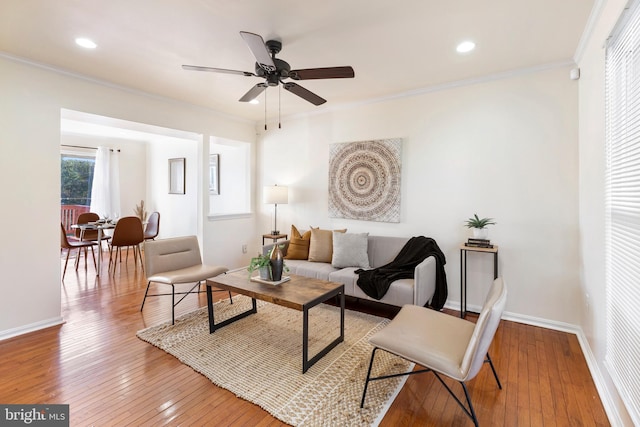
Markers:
point(522, 318)
point(32, 327)
point(601, 385)
point(592, 363)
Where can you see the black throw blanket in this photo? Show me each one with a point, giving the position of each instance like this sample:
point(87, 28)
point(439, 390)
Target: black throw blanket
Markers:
point(376, 282)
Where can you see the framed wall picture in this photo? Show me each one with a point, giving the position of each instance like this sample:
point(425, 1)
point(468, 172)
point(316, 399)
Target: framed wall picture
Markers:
point(214, 174)
point(177, 176)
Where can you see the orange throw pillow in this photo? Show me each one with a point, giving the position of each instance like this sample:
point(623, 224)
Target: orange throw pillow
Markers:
point(298, 244)
point(321, 245)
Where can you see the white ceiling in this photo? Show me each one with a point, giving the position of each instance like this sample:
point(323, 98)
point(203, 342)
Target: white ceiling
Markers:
point(394, 46)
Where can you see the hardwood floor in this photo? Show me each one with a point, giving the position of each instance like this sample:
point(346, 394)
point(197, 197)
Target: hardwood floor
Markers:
point(95, 363)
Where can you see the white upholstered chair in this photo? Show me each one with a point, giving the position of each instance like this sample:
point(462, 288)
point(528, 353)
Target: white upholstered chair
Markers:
point(443, 344)
point(176, 261)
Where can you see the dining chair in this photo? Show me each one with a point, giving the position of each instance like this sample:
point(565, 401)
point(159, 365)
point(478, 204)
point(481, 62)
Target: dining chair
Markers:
point(91, 235)
point(127, 233)
point(85, 218)
point(177, 261)
point(70, 245)
point(442, 343)
point(153, 226)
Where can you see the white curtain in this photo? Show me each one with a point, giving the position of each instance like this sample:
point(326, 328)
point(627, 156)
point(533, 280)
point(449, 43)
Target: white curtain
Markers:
point(105, 189)
point(114, 180)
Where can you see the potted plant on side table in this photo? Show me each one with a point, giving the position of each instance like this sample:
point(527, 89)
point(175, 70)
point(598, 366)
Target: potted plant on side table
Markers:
point(479, 226)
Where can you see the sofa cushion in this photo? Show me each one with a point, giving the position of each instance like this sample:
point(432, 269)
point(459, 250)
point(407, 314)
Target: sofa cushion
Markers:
point(383, 249)
point(321, 245)
point(398, 294)
point(350, 250)
point(316, 270)
point(298, 244)
point(347, 277)
point(293, 264)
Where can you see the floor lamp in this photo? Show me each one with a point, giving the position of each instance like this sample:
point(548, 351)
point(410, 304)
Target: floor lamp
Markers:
point(276, 195)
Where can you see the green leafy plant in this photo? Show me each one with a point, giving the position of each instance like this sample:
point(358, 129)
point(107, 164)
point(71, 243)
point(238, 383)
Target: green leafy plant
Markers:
point(475, 222)
point(261, 261)
point(258, 262)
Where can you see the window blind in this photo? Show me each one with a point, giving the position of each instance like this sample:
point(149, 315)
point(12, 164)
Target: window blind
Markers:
point(623, 208)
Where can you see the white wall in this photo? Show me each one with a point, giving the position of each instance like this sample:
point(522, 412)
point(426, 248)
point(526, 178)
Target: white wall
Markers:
point(592, 196)
point(30, 103)
point(506, 149)
point(234, 172)
point(179, 213)
point(231, 233)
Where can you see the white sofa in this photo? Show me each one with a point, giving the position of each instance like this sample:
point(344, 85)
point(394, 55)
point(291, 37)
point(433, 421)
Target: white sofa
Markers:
point(381, 250)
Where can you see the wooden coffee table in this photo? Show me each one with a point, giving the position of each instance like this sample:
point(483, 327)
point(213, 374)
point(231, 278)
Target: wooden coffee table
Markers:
point(300, 293)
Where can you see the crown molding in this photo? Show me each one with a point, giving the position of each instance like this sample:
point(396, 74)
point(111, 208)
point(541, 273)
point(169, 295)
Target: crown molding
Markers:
point(122, 88)
point(441, 87)
point(594, 16)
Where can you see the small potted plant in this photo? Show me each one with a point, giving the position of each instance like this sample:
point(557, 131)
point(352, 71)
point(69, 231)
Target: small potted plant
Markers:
point(262, 263)
point(269, 265)
point(479, 226)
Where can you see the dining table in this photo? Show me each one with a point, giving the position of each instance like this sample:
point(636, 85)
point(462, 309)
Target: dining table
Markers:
point(100, 226)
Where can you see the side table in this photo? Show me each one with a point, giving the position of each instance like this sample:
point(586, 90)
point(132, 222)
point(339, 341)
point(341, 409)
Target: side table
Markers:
point(274, 237)
point(463, 271)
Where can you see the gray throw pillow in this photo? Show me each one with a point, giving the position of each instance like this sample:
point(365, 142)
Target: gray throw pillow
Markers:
point(350, 250)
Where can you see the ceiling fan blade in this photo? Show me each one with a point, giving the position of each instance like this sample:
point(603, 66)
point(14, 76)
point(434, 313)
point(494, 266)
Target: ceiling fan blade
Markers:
point(253, 92)
point(259, 50)
point(322, 73)
point(216, 70)
point(304, 93)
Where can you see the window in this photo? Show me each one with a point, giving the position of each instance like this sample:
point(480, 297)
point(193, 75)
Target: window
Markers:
point(76, 173)
point(623, 208)
point(229, 178)
point(76, 177)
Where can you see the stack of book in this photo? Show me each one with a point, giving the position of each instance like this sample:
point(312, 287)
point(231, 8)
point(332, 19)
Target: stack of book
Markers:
point(479, 243)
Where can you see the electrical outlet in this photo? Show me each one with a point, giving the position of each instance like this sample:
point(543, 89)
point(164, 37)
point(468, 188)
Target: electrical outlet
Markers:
point(244, 249)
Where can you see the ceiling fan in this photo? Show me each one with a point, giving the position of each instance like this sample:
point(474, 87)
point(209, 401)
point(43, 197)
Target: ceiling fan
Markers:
point(275, 70)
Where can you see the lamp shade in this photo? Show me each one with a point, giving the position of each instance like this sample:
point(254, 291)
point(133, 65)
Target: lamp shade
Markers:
point(276, 195)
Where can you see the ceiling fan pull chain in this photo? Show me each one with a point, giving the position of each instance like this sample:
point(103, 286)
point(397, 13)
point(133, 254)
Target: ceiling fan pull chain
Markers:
point(279, 107)
point(265, 110)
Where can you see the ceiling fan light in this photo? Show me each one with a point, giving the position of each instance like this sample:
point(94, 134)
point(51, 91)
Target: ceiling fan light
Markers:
point(86, 43)
point(465, 47)
point(254, 101)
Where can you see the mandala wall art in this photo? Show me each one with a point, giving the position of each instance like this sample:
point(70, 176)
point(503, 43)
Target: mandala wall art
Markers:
point(364, 180)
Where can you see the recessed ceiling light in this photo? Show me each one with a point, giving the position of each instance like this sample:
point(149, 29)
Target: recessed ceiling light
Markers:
point(465, 47)
point(86, 43)
point(254, 101)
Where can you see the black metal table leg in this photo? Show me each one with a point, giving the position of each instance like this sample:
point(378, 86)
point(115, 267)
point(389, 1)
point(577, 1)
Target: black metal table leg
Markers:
point(463, 272)
point(210, 307)
point(463, 283)
point(307, 363)
point(215, 326)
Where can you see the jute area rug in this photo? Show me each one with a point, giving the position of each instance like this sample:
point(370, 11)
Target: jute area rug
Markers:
point(259, 358)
